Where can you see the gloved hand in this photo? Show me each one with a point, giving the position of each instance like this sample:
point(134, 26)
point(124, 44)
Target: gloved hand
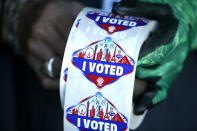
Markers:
point(162, 55)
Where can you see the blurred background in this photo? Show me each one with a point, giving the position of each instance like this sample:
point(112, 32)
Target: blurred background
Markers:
point(26, 105)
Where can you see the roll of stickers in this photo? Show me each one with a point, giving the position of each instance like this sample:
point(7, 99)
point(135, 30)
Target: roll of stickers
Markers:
point(98, 71)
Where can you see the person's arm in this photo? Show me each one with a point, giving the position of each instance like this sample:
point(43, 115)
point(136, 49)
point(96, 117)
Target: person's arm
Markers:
point(18, 16)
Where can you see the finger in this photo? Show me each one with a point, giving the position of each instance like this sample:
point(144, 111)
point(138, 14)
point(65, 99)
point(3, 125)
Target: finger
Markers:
point(150, 9)
point(44, 53)
point(49, 83)
point(75, 7)
point(139, 88)
point(40, 50)
point(46, 33)
point(55, 41)
point(164, 34)
point(63, 26)
point(57, 66)
point(145, 100)
point(66, 18)
point(45, 81)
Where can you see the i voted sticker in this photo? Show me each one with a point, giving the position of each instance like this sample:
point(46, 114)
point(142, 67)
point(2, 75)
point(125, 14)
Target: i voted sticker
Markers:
point(65, 74)
point(103, 62)
point(96, 113)
point(111, 23)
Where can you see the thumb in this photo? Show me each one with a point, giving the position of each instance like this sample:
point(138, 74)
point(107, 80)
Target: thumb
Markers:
point(57, 66)
point(144, 102)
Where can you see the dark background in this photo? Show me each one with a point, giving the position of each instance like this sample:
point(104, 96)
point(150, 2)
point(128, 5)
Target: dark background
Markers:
point(26, 106)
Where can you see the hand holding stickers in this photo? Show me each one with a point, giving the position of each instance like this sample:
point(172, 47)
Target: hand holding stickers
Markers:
point(98, 70)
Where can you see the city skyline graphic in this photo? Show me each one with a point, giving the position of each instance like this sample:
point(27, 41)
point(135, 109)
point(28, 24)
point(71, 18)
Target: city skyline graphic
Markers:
point(96, 108)
point(103, 62)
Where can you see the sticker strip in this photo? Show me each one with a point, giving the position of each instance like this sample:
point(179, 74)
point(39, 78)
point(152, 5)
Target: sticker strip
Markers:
point(99, 69)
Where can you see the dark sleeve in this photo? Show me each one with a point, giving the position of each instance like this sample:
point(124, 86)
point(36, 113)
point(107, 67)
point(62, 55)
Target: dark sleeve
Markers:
point(1, 12)
point(1, 6)
point(17, 19)
point(9, 20)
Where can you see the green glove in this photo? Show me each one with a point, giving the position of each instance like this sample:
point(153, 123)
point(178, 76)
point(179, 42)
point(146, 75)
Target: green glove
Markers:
point(162, 56)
